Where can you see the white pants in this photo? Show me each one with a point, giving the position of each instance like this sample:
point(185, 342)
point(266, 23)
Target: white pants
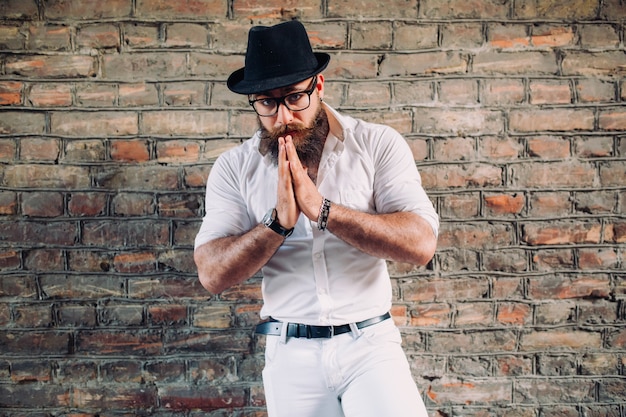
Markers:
point(364, 375)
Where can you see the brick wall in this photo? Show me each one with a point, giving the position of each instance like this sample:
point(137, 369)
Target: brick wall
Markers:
point(112, 112)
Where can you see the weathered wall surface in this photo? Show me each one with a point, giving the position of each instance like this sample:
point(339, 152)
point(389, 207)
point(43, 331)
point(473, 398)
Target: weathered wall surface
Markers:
point(112, 112)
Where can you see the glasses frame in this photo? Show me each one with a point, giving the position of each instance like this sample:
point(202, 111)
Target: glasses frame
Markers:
point(281, 100)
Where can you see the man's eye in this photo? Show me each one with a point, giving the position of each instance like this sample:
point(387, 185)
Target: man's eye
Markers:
point(266, 102)
point(294, 98)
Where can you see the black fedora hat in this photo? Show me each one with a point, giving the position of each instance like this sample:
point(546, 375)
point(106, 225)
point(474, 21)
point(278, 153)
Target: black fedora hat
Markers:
point(277, 56)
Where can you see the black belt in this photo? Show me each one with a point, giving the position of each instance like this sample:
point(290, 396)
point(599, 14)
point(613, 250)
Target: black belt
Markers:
point(274, 327)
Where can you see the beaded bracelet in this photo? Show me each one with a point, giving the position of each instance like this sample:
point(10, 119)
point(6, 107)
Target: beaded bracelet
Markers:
point(322, 220)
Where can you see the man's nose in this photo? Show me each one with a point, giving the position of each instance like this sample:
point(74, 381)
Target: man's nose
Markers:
point(284, 115)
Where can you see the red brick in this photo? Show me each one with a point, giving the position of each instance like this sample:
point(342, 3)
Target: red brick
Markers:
point(612, 119)
point(77, 315)
point(118, 342)
point(89, 150)
point(180, 260)
point(42, 204)
point(552, 36)
point(33, 316)
point(39, 149)
point(11, 93)
point(462, 35)
point(564, 287)
point(32, 233)
point(474, 236)
point(371, 9)
point(368, 95)
point(553, 259)
point(550, 92)
point(46, 176)
point(197, 9)
point(154, 65)
point(425, 63)
point(48, 38)
point(98, 36)
point(460, 9)
point(87, 204)
point(95, 95)
point(204, 398)
point(545, 390)
point(455, 176)
point(514, 63)
point(447, 290)
point(506, 36)
point(8, 202)
point(555, 9)
point(493, 147)
point(9, 260)
point(18, 396)
point(104, 123)
point(410, 36)
point(550, 204)
point(15, 122)
point(458, 392)
point(594, 91)
point(52, 66)
point(549, 147)
point(178, 151)
point(126, 234)
point(461, 206)
point(133, 204)
point(184, 93)
point(561, 339)
point(137, 397)
point(612, 174)
point(474, 342)
point(139, 94)
point(455, 149)
point(458, 92)
point(12, 37)
point(503, 204)
point(168, 314)
point(136, 177)
point(168, 287)
point(87, 9)
point(517, 314)
point(431, 315)
point(39, 342)
point(597, 259)
point(561, 232)
point(87, 287)
point(180, 123)
point(505, 260)
point(19, 9)
point(551, 120)
point(135, 263)
point(553, 174)
point(593, 64)
point(594, 147)
point(136, 150)
point(473, 314)
point(459, 122)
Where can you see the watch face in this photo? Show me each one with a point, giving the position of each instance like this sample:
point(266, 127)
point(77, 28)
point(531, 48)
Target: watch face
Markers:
point(269, 217)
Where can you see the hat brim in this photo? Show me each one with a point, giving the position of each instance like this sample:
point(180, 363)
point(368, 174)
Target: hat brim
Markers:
point(236, 82)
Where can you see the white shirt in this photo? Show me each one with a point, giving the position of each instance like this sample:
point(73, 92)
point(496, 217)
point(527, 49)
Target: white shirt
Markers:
point(314, 277)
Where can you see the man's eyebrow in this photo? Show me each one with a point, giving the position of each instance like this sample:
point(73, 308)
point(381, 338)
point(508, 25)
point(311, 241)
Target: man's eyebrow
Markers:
point(282, 91)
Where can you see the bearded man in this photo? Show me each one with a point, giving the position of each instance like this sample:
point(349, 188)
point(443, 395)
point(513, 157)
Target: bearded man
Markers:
point(318, 201)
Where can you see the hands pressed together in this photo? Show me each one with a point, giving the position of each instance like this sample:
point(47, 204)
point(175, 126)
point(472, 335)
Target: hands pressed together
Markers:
point(297, 193)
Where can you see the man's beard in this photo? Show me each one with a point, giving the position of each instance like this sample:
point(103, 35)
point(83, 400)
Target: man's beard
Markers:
point(309, 141)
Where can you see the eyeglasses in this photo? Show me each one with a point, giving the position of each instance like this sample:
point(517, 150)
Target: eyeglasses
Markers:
point(298, 101)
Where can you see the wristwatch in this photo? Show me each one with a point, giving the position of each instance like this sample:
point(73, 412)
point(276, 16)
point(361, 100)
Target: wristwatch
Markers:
point(271, 220)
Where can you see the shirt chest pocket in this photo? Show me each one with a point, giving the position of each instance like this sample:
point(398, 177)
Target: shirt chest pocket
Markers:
point(361, 199)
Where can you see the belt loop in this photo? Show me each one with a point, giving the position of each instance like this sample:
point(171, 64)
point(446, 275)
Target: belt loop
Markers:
point(356, 332)
point(283, 332)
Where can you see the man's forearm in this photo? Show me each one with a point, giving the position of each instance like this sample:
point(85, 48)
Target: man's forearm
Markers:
point(400, 237)
point(227, 261)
